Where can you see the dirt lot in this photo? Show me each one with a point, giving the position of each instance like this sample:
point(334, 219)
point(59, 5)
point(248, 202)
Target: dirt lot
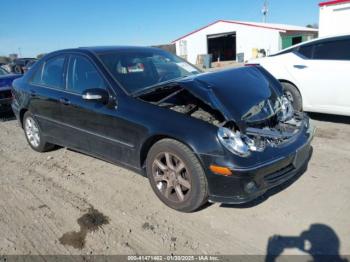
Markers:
point(63, 202)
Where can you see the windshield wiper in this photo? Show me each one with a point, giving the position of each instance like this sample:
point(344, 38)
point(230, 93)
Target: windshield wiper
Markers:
point(168, 97)
point(156, 86)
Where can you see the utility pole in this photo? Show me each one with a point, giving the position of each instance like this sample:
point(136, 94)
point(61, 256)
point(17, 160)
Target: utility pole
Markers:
point(265, 10)
point(19, 52)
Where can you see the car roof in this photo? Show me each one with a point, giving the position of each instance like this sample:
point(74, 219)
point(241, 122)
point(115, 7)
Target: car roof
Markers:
point(314, 41)
point(24, 58)
point(106, 49)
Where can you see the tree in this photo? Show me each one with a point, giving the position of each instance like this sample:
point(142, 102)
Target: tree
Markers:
point(314, 25)
point(40, 55)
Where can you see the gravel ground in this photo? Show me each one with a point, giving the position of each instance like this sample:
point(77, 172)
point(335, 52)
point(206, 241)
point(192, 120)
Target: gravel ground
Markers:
point(64, 202)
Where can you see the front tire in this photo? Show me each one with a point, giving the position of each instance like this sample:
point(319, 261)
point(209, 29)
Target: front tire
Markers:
point(176, 176)
point(34, 135)
point(293, 95)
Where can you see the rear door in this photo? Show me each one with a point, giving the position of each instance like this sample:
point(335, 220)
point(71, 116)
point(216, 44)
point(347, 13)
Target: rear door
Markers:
point(323, 76)
point(46, 88)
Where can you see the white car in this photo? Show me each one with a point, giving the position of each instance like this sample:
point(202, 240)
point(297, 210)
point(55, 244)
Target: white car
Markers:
point(315, 75)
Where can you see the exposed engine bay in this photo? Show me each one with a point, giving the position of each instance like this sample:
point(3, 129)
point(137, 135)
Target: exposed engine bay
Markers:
point(281, 123)
point(182, 101)
point(258, 137)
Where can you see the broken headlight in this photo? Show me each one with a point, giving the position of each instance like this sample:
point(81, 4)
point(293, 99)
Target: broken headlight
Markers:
point(255, 145)
point(287, 110)
point(233, 142)
point(239, 144)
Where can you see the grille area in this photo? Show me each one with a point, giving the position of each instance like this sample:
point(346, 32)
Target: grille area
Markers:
point(270, 122)
point(278, 175)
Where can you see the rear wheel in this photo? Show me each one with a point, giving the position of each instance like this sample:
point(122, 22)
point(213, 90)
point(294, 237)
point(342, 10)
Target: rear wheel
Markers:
point(34, 135)
point(176, 176)
point(293, 95)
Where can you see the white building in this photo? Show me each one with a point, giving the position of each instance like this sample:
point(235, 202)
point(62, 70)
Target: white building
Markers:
point(228, 40)
point(334, 17)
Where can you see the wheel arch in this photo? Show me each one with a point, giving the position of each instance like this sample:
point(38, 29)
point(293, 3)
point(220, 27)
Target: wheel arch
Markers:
point(21, 115)
point(147, 145)
point(296, 87)
point(289, 82)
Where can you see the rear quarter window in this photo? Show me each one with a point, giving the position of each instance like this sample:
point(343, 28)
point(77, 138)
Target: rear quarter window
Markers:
point(37, 76)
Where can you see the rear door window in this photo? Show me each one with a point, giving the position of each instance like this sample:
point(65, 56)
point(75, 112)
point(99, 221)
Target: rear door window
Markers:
point(82, 75)
point(51, 73)
point(333, 50)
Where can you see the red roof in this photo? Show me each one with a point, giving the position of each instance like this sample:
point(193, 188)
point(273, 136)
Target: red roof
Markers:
point(334, 2)
point(278, 27)
point(195, 31)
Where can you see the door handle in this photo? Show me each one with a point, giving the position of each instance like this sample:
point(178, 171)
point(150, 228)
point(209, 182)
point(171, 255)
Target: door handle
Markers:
point(64, 101)
point(300, 66)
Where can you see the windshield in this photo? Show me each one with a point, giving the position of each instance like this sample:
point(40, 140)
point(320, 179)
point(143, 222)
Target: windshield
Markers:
point(3, 72)
point(138, 70)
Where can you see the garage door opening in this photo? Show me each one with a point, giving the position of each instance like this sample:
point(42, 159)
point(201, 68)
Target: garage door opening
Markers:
point(297, 40)
point(289, 40)
point(222, 46)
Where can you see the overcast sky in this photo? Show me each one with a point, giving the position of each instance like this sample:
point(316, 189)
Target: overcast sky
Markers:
point(40, 26)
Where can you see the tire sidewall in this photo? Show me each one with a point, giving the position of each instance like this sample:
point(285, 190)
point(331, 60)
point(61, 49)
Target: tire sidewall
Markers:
point(42, 143)
point(297, 99)
point(193, 200)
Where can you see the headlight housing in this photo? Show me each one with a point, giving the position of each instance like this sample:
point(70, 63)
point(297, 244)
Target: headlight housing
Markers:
point(233, 142)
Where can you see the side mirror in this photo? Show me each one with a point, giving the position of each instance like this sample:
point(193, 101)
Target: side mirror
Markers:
point(96, 95)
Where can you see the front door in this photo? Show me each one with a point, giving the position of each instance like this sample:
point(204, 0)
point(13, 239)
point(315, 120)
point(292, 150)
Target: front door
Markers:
point(92, 126)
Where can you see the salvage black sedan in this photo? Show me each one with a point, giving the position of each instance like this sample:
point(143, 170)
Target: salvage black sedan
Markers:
point(225, 136)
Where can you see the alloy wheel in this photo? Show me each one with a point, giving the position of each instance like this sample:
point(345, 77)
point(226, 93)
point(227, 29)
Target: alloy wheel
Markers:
point(32, 132)
point(171, 177)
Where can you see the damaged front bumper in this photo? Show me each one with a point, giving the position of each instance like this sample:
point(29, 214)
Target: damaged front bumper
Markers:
point(253, 176)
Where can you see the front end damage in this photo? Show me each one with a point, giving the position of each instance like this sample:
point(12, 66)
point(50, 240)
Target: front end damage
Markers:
point(277, 129)
point(256, 124)
point(251, 112)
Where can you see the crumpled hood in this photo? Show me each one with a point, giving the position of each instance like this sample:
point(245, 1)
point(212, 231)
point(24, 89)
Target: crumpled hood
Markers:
point(246, 94)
